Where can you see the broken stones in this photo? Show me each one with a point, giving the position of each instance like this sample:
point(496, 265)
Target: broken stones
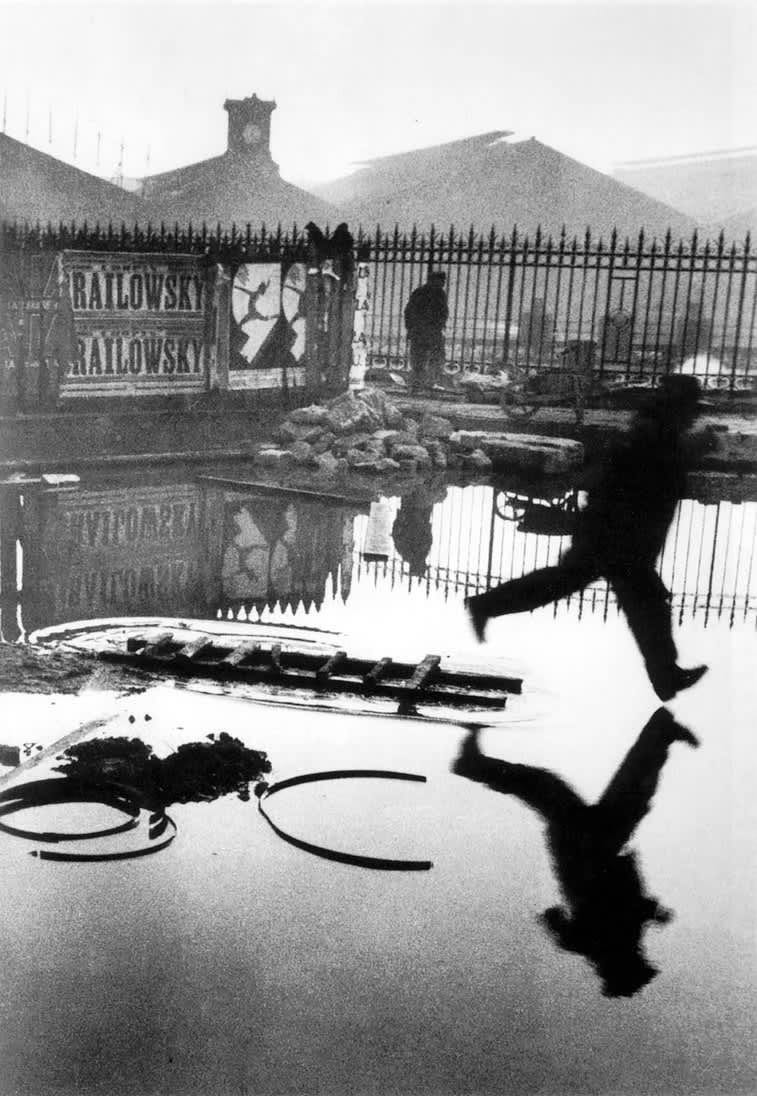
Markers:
point(433, 426)
point(324, 443)
point(315, 415)
point(293, 431)
point(349, 413)
point(417, 453)
point(302, 453)
point(477, 461)
point(438, 454)
point(275, 458)
point(363, 431)
point(534, 452)
point(329, 464)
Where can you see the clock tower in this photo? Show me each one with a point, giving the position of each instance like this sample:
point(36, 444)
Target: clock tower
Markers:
point(250, 126)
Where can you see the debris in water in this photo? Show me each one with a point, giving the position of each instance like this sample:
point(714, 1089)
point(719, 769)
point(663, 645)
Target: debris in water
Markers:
point(196, 772)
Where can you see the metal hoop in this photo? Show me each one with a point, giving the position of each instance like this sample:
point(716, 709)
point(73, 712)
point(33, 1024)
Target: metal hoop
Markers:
point(355, 859)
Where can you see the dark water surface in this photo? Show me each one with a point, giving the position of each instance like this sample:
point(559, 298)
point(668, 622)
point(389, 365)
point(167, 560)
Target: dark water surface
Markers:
point(232, 962)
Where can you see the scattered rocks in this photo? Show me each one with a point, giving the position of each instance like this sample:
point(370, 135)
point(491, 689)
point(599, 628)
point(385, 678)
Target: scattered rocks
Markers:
point(302, 453)
point(417, 453)
point(330, 465)
point(533, 452)
point(275, 458)
point(294, 431)
point(433, 426)
point(477, 461)
point(314, 415)
point(365, 432)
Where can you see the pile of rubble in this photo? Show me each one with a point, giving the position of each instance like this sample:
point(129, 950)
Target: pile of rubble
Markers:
point(365, 432)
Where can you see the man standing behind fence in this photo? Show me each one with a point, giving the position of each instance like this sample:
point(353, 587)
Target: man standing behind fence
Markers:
point(426, 314)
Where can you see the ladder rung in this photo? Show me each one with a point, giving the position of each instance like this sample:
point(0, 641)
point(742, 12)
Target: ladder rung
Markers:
point(376, 672)
point(330, 666)
point(158, 645)
point(424, 672)
point(240, 653)
point(195, 648)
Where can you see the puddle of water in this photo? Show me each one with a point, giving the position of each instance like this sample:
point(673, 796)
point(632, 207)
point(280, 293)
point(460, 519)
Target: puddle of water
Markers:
point(233, 962)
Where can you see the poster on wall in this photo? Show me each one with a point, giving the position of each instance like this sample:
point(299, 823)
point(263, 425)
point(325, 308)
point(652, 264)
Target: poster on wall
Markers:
point(267, 341)
point(138, 323)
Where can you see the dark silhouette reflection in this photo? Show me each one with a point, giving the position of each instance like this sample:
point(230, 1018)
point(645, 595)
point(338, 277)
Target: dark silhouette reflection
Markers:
point(196, 772)
point(606, 908)
point(620, 534)
point(412, 533)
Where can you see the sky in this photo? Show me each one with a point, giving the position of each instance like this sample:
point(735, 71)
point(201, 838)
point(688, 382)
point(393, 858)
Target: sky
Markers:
point(605, 83)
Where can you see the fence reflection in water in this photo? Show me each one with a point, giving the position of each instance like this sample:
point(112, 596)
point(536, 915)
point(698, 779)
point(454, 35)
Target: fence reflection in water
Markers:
point(99, 553)
point(708, 561)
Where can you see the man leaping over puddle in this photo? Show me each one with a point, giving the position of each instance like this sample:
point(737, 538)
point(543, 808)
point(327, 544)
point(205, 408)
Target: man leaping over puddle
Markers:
point(620, 533)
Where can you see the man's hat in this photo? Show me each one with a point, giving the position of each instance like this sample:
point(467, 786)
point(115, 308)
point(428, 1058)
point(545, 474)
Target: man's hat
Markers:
point(680, 392)
point(681, 388)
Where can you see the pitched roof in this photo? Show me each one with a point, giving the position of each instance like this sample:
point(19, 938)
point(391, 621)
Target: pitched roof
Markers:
point(737, 226)
point(37, 187)
point(709, 186)
point(228, 188)
point(233, 188)
point(488, 180)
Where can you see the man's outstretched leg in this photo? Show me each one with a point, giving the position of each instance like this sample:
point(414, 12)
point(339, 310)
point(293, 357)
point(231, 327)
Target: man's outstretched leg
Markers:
point(532, 591)
point(645, 601)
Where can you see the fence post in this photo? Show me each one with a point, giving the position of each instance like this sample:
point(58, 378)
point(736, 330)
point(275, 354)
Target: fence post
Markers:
point(509, 298)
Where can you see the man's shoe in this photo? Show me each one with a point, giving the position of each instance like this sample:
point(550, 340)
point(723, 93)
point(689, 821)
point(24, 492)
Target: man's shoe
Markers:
point(675, 680)
point(478, 620)
point(690, 676)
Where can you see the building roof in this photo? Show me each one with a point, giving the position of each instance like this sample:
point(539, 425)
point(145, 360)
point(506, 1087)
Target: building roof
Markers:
point(37, 187)
point(232, 188)
point(490, 180)
point(736, 227)
point(711, 187)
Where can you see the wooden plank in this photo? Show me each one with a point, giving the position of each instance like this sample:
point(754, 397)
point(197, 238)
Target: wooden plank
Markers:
point(239, 654)
point(154, 645)
point(475, 680)
point(329, 667)
point(70, 739)
point(275, 489)
point(138, 642)
point(400, 691)
point(376, 672)
point(195, 648)
point(424, 672)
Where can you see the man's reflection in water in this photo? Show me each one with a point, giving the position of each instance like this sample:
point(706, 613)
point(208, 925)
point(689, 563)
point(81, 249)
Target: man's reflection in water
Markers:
point(606, 909)
point(412, 533)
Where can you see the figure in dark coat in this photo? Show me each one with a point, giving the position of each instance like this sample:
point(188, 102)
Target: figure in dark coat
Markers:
point(620, 534)
point(606, 908)
point(426, 314)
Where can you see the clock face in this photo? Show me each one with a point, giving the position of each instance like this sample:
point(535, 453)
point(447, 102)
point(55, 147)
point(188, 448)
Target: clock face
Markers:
point(251, 134)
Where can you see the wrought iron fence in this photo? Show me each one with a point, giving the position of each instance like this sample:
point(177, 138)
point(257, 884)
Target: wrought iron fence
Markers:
point(637, 308)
